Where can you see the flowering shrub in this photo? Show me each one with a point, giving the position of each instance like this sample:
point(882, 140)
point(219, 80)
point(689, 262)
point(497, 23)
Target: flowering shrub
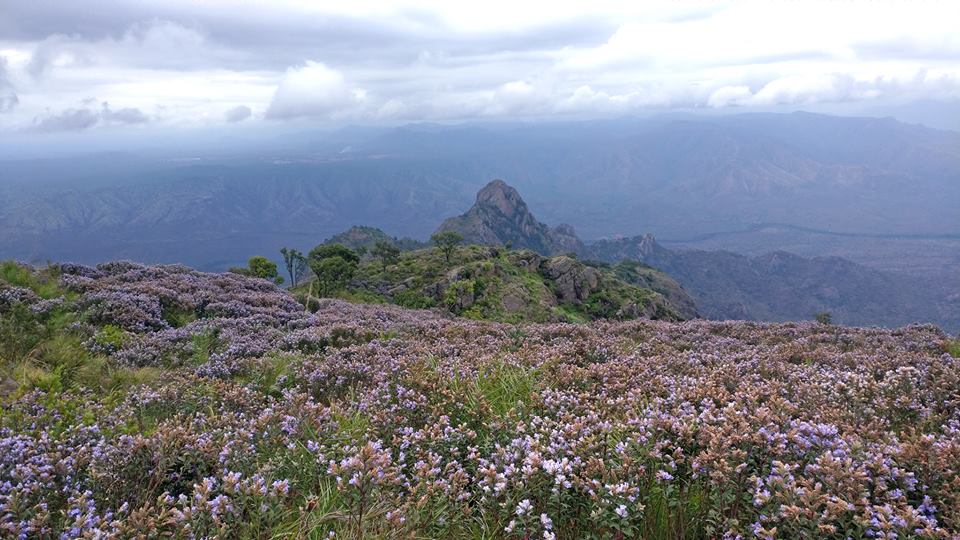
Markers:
point(379, 422)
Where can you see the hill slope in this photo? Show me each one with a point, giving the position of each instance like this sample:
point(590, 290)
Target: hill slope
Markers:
point(168, 402)
point(780, 286)
point(492, 283)
point(361, 237)
point(775, 286)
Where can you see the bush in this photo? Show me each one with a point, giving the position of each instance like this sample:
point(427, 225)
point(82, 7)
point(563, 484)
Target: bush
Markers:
point(334, 266)
point(109, 339)
point(413, 299)
point(20, 333)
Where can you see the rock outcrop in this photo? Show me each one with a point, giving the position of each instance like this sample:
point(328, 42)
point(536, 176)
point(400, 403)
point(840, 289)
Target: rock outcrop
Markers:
point(501, 217)
point(573, 281)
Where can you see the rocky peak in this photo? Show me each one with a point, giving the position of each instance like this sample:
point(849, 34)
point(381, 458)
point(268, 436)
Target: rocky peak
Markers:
point(647, 246)
point(635, 248)
point(497, 194)
point(500, 216)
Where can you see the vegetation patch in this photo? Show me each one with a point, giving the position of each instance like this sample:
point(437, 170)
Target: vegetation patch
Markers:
point(372, 421)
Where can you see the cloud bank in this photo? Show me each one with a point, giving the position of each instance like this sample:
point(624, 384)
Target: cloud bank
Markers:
point(79, 119)
point(214, 62)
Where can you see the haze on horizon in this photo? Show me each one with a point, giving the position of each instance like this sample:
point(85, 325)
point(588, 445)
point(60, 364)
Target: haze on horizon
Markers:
point(121, 72)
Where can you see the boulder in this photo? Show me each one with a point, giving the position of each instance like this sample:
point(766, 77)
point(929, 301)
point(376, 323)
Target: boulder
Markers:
point(7, 387)
point(573, 280)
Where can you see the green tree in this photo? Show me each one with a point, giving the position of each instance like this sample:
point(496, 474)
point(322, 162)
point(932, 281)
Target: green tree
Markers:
point(260, 267)
point(334, 265)
point(824, 317)
point(263, 267)
point(386, 252)
point(447, 242)
point(325, 251)
point(295, 263)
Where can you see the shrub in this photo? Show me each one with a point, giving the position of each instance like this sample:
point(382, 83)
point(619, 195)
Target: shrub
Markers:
point(334, 266)
point(413, 299)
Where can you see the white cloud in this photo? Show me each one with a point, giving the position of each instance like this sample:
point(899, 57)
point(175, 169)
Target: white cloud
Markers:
point(8, 101)
point(517, 98)
point(727, 96)
point(203, 63)
point(314, 90)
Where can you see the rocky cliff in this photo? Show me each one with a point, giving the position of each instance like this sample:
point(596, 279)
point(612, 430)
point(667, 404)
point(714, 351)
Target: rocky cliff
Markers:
point(501, 217)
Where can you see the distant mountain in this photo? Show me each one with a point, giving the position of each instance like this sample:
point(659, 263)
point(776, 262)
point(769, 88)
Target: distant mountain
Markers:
point(776, 286)
point(781, 286)
point(363, 237)
point(683, 177)
point(501, 217)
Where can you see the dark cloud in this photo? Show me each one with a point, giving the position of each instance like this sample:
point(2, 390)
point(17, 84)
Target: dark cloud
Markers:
point(238, 114)
point(8, 99)
point(8, 102)
point(68, 120)
point(127, 115)
point(274, 37)
point(85, 118)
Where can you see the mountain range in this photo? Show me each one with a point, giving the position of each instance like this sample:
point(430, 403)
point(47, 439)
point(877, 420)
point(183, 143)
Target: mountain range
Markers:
point(880, 193)
point(775, 286)
point(697, 181)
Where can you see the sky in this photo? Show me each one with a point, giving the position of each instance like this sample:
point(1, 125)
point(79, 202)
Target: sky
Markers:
point(126, 66)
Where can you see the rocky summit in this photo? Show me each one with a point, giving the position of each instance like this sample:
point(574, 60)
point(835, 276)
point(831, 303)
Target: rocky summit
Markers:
point(501, 217)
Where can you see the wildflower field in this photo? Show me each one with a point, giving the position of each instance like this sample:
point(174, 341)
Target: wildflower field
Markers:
point(159, 401)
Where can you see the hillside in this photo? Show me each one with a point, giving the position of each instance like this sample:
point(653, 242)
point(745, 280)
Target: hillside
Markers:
point(142, 401)
point(774, 286)
point(360, 237)
point(492, 283)
point(779, 286)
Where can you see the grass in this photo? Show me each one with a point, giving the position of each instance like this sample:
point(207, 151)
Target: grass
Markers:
point(952, 347)
point(45, 283)
point(267, 374)
point(360, 296)
point(178, 317)
point(506, 388)
point(500, 391)
point(43, 351)
point(322, 511)
point(204, 345)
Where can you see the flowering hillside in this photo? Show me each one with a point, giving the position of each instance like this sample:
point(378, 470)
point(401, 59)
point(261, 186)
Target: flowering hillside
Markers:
point(163, 401)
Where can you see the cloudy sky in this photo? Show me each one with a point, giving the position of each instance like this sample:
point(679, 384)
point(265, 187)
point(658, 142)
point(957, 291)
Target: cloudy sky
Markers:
point(123, 65)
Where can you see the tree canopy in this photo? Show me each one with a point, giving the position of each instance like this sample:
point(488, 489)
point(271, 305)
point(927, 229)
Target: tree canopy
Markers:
point(447, 242)
point(334, 265)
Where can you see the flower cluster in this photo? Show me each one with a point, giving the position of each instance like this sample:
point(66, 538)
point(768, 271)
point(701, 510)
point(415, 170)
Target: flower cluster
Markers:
point(374, 421)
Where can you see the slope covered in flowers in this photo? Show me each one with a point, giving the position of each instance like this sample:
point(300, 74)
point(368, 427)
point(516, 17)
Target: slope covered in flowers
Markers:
point(240, 415)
